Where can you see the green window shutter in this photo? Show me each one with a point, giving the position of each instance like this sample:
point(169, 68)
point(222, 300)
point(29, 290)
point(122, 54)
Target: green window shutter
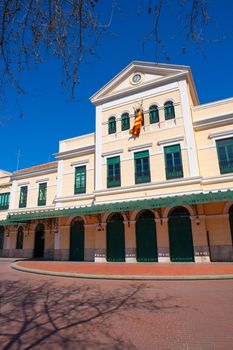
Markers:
point(112, 125)
point(80, 179)
point(1, 237)
point(125, 125)
point(42, 194)
point(154, 114)
point(173, 162)
point(20, 237)
point(23, 197)
point(225, 155)
point(142, 167)
point(4, 200)
point(169, 110)
point(113, 172)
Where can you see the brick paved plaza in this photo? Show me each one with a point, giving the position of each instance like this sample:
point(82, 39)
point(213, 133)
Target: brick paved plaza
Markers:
point(43, 312)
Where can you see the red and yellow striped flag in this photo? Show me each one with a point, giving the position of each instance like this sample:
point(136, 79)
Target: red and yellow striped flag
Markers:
point(137, 124)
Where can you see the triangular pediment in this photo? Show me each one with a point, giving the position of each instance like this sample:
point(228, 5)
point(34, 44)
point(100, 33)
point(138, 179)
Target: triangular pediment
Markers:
point(138, 76)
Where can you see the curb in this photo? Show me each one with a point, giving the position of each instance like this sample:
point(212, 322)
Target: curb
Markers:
point(122, 277)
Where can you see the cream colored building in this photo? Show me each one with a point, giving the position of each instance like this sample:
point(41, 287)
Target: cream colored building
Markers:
point(163, 196)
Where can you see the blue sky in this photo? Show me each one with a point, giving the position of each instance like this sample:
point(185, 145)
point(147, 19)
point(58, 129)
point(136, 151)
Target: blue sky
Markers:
point(47, 115)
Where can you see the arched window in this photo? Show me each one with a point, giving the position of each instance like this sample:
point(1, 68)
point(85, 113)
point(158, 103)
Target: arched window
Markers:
point(20, 236)
point(1, 237)
point(154, 114)
point(169, 110)
point(112, 125)
point(125, 122)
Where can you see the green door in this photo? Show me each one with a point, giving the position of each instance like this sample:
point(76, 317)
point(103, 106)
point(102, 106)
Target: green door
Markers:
point(39, 242)
point(77, 241)
point(115, 241)
point(146, 240)
point(180, 237)
point(1, 237)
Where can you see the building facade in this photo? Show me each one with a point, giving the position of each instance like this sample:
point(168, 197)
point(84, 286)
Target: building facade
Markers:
point(163, 196)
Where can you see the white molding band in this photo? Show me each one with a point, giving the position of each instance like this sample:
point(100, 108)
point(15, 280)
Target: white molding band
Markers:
point(188, 128)
point(98, 149)
point(42, 180)
point(80, 162)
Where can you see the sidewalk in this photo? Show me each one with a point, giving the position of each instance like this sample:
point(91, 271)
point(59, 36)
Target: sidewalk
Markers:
point(134, 271)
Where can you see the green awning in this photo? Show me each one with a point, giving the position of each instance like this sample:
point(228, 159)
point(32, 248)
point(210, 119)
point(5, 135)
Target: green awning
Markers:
point(8, 223)
point(162, 202)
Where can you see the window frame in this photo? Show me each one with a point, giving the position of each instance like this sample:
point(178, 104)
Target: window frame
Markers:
point(228, 169)
point(168, 115)
point(80, 190)
point(23, 203)
point(154, 108)
point(42, 202)
point(112, 125)
point(4, 200)
point(140, 155)
point(112, 161)
point(174, 174)
point(125, 125)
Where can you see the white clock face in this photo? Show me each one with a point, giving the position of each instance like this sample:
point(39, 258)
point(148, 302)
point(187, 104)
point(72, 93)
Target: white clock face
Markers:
point(136, 78)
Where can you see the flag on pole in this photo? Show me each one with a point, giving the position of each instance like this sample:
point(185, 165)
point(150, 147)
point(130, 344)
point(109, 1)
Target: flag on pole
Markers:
point(137, 124)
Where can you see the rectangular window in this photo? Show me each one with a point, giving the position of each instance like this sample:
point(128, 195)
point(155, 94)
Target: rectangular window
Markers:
point(113, 172)
point(225, 155)
point(80, 179)
point(23, 197)
point(42, 194)
point(142, 167)
point(173, 162)
point(4, 201)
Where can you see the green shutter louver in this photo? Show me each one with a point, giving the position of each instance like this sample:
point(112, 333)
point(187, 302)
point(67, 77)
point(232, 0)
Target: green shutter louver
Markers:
point(4, 201)
point(113, 172)
point(173, 162)
point(225, 155)
point(142, 167)
point(154, 114)
point(23, 197)
point(42, 194)
point(112, 125)
point(80, 180)
point(125, 124)
point(169, 110)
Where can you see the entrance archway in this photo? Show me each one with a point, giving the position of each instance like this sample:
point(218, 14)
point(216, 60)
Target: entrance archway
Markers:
point(77, 240)
point(39, 241)
point(146, 240)
point(180, 235)
point(115, 238)
point(231, 221)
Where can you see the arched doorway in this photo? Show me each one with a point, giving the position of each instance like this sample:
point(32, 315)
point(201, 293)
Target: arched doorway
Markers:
point(20, 237)
point(180, 235)
point(1, 237)
point(77, 240)
point(115, 238)
point(146, 240)
point(231, 221)
point(39, 241)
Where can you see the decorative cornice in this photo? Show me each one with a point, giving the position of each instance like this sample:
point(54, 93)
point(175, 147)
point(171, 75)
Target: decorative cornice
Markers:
point(215, 135)
point(207, 123)
point(167, 141)
point(75, 152)
point(80, 162)
point(138, 147)
point(35, 172)
point(213, 104)
point(111, 153)
point(74, 198)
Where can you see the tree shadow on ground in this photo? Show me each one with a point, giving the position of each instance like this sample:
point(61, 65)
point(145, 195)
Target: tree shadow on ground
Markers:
point(46, 316)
